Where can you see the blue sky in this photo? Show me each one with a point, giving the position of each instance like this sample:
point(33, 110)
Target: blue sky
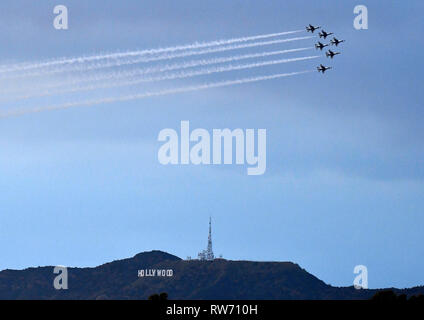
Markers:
point(345, 173)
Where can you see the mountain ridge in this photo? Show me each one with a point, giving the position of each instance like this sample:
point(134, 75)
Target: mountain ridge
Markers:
point(190, 279)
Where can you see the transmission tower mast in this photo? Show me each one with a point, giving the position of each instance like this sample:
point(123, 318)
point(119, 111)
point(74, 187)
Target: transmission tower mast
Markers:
point(209, 251)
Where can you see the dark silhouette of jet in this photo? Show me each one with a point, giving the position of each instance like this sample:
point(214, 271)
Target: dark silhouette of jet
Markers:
point(320, 45)
point(324, 34)
point(311, 28)
point(336, 41)
point(322, 68)
point(331, 54)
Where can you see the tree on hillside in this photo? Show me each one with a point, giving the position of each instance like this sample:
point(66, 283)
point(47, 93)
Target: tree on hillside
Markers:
point(159, 297)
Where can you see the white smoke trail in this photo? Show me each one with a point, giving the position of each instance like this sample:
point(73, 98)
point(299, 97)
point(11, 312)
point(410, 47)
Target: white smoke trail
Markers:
point(172, 76)
point(118, 63)
point(150, 94)
point(164, 68)
point(196, 45)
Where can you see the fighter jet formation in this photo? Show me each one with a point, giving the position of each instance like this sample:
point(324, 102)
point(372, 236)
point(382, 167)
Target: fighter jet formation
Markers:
point(319, 45)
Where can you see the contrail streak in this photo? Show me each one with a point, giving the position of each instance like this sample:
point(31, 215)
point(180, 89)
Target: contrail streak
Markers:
point(151, 94)
point(83, 59)
point(179, 75)
point(168, 67)
point(118, 63)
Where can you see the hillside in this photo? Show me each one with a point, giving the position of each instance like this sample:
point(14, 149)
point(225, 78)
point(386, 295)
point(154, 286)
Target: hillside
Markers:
point(219, 279)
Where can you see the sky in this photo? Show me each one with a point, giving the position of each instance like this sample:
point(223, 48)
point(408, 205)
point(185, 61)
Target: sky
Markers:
point(344, 184)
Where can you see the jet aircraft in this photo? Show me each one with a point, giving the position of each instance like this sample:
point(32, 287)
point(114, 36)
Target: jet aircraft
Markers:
point(321, 46)
point(324, 34)
point(323, 68)
point(336, 41)
point(311, 28)
point(331, 54)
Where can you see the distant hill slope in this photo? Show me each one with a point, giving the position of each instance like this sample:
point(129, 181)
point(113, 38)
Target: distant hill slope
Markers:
point(219, 279)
